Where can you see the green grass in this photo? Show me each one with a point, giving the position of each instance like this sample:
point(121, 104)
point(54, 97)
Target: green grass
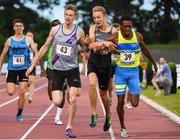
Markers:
point(171, 102)
point(164, 46)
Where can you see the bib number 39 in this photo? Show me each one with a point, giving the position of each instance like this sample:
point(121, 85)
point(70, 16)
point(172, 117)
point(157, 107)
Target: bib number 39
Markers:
point(63, 50)
point(128, 58)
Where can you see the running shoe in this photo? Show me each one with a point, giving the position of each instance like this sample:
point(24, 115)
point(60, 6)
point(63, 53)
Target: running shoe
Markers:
point(19, 118)
point(58, 122)
point(93, 120)
point(69, 133)
point(107, 123)
point(124, 133)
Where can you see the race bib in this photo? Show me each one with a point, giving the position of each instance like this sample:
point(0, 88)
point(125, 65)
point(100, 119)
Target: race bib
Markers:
point(127, 58)
point(18, 60)
point(63, 50)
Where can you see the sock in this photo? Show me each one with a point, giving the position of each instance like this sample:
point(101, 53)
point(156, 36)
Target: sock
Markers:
point(68, 127)
point(58, 113)
point(19, 111)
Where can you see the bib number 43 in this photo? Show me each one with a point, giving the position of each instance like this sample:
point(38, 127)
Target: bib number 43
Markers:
point(63, 50)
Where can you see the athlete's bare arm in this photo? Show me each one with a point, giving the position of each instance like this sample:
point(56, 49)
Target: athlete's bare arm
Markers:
point(43, 49)
point(113, 38)
point(93, 45)
point(4, 52)
point(81, 38)
point(32, 44)
point(145, 50)
point(84, 61)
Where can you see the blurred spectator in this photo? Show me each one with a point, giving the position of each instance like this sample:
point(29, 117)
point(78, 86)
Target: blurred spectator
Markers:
point(163, 78)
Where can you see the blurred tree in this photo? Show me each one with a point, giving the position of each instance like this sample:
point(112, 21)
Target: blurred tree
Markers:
point(166, 16)
point(11, 9)
point(115, 8)
point(158, 25)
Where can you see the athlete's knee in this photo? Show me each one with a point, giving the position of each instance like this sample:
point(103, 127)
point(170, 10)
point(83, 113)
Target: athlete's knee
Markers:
point(57, 102)
point(22, 90)
point(120, 104)
point(135, 103)
point(134, 100)
point(10, 93)
point(92, 85)
point(72, 100)
point(103, 95)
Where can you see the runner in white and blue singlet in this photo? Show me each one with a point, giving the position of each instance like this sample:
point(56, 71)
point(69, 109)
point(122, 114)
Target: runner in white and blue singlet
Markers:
point(17, 47)
point(66, 38)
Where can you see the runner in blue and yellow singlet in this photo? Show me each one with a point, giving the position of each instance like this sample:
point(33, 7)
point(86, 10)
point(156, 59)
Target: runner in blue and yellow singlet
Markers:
point(129, 45)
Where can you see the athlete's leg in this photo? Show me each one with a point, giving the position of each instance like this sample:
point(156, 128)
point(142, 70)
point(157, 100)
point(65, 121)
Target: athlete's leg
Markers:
point(31, 87)
point(11, 88)
point(22, 90)
point(57, 84)
point(50, 89)
point(135, 89)
point(120, 110)
point(11, 82)
point(72, 106)
point(105, 100)
point(93, 92)
point(110, 89)
point(120, 85)
point(57, 97)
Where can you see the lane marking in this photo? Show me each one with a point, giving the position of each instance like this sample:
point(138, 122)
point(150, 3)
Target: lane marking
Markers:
point(161, 109)
point(104, 112)
point(4, 83)
point(14, 99)
point(37, 122)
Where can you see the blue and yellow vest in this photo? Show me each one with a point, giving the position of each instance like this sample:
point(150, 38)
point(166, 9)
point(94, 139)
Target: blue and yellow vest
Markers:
point(18, 55)
point(128, 51)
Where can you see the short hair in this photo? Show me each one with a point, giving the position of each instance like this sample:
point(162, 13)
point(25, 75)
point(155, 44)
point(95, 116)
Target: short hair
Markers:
point(17, 20)
point(123, 18)
point(99, 9)
point(55, 22)
point(71, 7)
point(116, 25)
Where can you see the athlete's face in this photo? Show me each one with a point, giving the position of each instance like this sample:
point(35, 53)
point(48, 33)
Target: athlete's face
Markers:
point(18, 27)
point(99, 18)
point(162, 61)
point(29, 34)
point(126, 27)
point(69, 16)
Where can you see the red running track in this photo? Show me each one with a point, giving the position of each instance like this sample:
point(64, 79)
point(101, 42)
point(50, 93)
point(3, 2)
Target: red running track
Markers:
point(142, 122)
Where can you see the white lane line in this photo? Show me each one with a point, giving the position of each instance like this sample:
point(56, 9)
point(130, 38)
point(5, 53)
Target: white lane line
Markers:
point(110, 129)
point(14, 99)
point(161, 109)
point(37, 122)
point(4, 89)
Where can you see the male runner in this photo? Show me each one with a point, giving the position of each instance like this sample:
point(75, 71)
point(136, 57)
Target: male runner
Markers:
point(18, 49)
point(99, 64)
point(129, 45)
point(66, 38)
